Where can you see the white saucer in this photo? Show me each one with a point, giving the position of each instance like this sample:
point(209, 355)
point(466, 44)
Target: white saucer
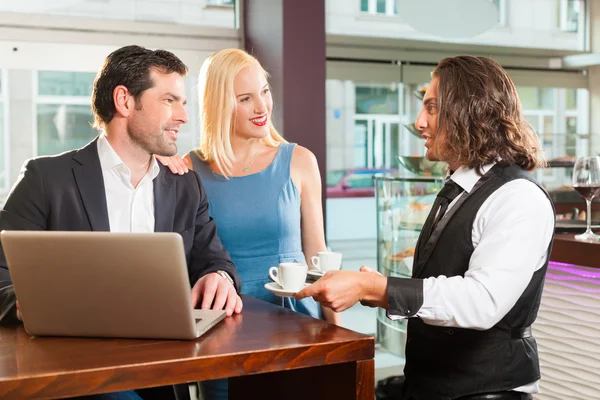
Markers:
point(277, 290)
point(315, 273)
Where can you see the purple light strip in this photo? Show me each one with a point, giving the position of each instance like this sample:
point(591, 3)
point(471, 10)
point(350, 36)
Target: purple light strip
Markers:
point(563, 278)
point(586, 272)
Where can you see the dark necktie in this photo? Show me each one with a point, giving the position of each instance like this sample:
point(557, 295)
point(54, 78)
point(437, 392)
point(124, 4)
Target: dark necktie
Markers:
point(448, 193)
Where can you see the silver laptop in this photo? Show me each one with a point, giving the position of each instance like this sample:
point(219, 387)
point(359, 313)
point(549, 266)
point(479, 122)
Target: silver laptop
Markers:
point(101, 284)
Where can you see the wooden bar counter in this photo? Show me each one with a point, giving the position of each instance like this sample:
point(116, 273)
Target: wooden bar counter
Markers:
point(566, 249)
point(267, 351)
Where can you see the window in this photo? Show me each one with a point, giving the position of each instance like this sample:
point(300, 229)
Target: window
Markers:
point(63, 111)
point(561, 125)
point(533, 98)
point(376, 125)
point(4, 154)
point(570, 15)
point(377, 99)
point(379, 7)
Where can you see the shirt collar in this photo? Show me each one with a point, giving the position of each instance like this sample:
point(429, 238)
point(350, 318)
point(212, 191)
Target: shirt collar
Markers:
point(466, 178)
point(109, 159)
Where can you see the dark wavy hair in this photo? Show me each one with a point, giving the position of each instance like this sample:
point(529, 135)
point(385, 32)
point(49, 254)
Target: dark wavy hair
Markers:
point(129, 66)
point(480, 116)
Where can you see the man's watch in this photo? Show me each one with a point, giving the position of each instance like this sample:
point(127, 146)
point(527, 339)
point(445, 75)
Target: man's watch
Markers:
point(226, 276)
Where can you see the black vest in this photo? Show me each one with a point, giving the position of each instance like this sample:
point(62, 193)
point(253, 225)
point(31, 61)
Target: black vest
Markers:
point(446, 363)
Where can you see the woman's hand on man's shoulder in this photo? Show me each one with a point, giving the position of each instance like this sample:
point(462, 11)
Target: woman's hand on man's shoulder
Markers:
point(177, 164)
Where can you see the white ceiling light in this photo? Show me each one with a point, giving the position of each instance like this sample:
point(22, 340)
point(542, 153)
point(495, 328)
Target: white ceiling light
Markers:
point(449, 18)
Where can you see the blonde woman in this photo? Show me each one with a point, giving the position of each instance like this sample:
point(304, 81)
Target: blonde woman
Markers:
point(264, 193)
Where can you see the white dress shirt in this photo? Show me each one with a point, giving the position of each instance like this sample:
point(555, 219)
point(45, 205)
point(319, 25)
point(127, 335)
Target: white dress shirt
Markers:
point(511, 233)
point(129, 209)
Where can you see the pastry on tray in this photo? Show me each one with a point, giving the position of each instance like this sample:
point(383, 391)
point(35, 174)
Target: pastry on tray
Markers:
point(409, 252)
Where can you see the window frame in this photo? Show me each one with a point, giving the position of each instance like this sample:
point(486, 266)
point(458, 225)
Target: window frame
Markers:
point(4, 103)
point(502, 13)
point(563, 16)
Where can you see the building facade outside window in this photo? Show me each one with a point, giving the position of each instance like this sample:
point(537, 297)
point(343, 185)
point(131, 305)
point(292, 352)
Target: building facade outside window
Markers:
point(379, 7)
point(558, 24)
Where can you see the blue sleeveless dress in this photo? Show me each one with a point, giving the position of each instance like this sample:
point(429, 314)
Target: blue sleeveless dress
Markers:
point(258, 221)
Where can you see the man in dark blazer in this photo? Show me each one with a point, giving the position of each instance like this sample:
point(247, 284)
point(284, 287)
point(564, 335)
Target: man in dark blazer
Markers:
point(115, 184)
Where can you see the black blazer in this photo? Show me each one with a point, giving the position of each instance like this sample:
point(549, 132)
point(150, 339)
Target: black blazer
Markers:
point(66, 193)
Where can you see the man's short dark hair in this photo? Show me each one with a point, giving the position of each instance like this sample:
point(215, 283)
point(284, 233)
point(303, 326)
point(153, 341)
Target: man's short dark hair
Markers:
point(129, 66)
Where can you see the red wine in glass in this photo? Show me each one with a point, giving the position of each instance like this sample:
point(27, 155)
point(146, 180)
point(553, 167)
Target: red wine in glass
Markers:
point(588, 192)
point(586, 181)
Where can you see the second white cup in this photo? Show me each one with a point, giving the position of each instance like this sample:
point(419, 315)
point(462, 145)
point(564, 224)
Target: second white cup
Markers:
point(327, 261)
point(290, 276)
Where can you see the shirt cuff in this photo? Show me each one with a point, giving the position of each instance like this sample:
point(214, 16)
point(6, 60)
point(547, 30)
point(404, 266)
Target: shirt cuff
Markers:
point(405, 297)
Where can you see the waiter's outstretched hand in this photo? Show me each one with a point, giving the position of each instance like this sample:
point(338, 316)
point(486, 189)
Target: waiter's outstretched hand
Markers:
point(340, 290)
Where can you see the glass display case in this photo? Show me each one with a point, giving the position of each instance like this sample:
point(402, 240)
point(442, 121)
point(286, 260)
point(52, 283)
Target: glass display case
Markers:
point(403, 204)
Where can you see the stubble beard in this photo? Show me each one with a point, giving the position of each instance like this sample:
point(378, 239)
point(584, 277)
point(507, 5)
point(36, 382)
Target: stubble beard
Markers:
point(153, 144)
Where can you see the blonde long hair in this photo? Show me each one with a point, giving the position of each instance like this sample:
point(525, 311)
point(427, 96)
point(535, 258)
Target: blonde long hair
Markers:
point(217, 103)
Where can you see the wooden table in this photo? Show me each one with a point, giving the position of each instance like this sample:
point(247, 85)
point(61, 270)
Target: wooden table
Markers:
point(267, 351)
point(568, 250)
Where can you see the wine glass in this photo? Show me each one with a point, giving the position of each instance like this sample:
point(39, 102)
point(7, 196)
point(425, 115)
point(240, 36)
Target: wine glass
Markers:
point(586, 181)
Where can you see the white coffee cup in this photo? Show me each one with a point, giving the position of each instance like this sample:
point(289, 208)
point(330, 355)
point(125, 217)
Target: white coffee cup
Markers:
point(327, 261)
point(290, 276)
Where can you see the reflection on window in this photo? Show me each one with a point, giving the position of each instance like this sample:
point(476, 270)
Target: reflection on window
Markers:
point(63, 109)
point(63, 127)
point(379, 7)
point(569, 15)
